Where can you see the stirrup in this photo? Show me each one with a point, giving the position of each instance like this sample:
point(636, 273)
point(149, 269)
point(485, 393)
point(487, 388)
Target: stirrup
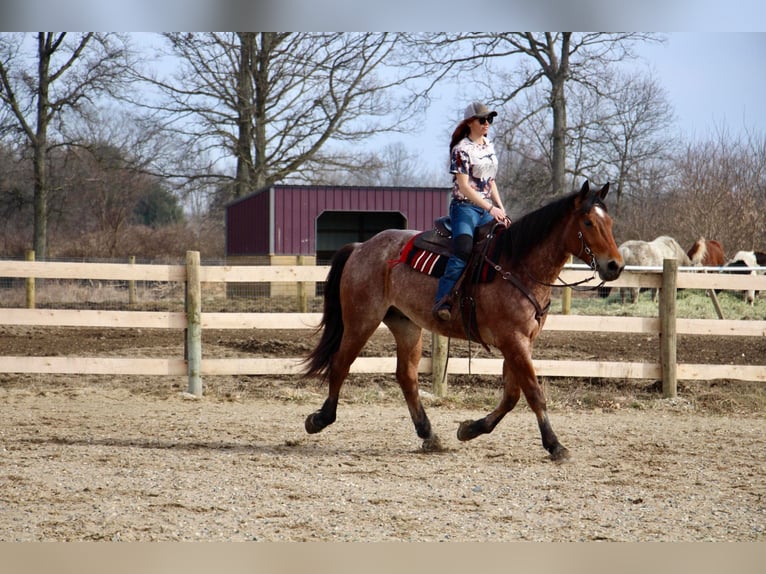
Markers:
point(442, 311)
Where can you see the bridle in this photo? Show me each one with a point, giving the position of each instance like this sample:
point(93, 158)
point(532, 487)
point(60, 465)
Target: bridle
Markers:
point(593, 267)
point(540, 310)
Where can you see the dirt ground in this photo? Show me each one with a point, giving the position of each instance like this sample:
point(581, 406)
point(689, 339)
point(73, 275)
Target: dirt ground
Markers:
point(136, 459)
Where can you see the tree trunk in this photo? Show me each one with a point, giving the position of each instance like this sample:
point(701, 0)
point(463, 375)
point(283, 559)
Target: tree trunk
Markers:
point(245, 115)
point(40, 143)
point(558, 78)
point(558, 151)
point(261, 93)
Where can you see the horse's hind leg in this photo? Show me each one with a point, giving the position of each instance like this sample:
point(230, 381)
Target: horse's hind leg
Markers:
point(409, 346)
point(340, 364)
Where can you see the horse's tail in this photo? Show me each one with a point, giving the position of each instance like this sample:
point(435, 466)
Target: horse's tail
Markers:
point(318, 361)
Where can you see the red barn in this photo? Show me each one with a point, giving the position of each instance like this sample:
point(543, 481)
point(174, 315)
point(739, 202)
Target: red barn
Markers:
point(275, 224)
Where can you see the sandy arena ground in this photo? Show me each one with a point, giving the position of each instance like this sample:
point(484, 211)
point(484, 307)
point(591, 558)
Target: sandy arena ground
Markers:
point(135, 459)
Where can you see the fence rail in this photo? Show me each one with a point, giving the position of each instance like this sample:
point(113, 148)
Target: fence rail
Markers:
point(192, 321)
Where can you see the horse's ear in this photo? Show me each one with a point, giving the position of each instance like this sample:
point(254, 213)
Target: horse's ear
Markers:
point(584, 190)
point(604, 191)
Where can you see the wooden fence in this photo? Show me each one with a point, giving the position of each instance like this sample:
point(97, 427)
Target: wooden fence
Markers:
point(192, 321)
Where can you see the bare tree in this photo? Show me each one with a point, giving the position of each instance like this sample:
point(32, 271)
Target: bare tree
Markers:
point(275, 103)
point(719, 191)
point(71, 71)
point(554, 58)
point(616, 130)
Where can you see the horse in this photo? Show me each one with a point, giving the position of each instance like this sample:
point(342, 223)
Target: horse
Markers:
point(368, 283)
point(650, 254)
point(746, 260)
point(706, 253)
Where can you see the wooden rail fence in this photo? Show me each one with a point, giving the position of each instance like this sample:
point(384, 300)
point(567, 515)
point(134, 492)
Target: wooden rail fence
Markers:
point(193, 321)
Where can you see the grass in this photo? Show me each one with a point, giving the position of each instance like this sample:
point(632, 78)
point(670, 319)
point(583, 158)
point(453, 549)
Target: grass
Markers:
point(690, 304)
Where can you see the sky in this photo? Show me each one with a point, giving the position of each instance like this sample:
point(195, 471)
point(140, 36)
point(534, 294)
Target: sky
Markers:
point(713, 80)
point(712, 66)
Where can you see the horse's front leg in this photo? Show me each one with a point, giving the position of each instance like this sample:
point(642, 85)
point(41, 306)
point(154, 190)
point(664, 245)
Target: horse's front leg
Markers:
point(511, 392)
point(535, 397)
point(519, 376)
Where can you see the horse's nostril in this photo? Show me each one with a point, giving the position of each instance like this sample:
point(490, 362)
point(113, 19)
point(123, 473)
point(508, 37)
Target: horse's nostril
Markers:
point(613, 266)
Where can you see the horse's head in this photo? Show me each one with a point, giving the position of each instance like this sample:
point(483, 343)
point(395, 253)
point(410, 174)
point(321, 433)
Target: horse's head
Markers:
point(595, 243)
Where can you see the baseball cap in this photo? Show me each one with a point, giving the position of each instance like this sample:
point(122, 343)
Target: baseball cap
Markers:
point(478, 110)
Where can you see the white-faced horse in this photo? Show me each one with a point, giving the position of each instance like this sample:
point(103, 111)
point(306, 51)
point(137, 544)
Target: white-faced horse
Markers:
point(744, 260)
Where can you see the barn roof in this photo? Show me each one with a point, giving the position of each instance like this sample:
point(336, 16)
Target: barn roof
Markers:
point(290, 187)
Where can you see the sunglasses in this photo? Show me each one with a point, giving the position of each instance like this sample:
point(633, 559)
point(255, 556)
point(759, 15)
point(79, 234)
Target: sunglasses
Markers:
point(483, 121)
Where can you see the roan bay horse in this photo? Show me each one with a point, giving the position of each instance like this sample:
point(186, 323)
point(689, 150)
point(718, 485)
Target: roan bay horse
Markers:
point(366, 285)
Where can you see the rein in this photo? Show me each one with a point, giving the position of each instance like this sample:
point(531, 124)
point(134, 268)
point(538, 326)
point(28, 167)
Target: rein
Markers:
point(593, 266)
point(508, 276)
point(539, 310)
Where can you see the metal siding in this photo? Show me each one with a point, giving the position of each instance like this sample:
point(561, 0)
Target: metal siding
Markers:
point(278, 228)
point(272, 224)
point(295, 215)
point(282, 220)
point(281, 209)
point(304, 225)
point(247, 226)
point(311, 218)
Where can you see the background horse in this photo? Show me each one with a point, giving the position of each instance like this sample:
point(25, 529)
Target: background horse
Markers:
point(367, 283)
point(706, 253)
point(650, 254)
point(747, 260)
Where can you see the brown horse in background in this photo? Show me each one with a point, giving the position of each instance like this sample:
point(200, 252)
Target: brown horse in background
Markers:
point(706, 253)
point(366, 284)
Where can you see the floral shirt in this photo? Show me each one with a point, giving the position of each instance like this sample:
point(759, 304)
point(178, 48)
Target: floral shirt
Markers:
point(478, 161)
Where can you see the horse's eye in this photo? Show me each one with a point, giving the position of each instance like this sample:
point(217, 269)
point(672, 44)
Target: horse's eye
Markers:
point(588, 223)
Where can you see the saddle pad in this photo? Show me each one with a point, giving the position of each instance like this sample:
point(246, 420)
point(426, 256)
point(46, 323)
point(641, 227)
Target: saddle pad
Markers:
point(422, 259)
point(432, 261)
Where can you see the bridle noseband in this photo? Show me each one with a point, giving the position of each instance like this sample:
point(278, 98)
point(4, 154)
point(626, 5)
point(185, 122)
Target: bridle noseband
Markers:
point(584, 247)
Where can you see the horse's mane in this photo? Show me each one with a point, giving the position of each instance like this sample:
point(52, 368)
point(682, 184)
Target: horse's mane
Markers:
point(526, 233)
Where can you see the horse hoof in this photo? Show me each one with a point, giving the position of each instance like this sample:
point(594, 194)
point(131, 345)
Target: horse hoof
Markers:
point(466, 431)
point(432, 444)
point(312, 426)
point(559, 454)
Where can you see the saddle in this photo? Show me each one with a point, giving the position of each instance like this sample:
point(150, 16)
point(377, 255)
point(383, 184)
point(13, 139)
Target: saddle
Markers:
point(437, 243)
point(429, 251)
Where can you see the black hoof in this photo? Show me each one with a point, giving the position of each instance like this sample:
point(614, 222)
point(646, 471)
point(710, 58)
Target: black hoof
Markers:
point(313, 425)
point(559, 453)
point(432, 444)
point(468, 430)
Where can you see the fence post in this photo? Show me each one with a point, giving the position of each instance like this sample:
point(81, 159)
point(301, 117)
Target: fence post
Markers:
point(716, 304)
point(439, 356)
point(667, 308)
point(132, 284)
point(302, 298)
point(566, 296)
point(194, 323)
point(30, 256)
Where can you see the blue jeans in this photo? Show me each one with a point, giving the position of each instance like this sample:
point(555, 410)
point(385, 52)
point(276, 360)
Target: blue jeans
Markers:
point(465, 217)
